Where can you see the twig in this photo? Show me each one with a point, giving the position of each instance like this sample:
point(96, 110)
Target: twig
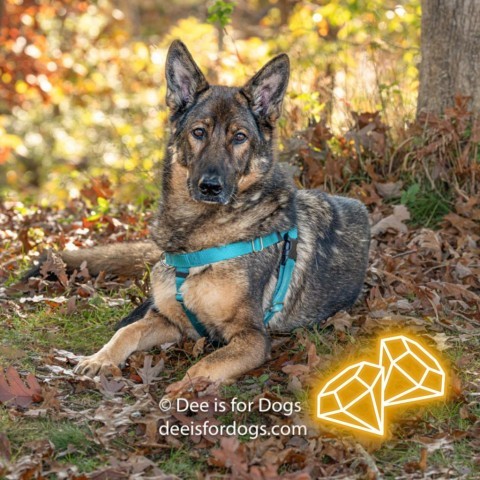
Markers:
point(435, 310)
point(368, 459)
point(379, 271)
point(436, 267)
point(469, 320)
point(402, 254)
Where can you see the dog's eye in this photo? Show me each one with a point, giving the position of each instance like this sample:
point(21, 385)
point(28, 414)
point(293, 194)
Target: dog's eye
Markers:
point(199, 133)
point(239, 137)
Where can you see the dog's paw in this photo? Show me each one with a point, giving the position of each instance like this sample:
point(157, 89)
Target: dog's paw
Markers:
point(205, 371)
point(188, 388)
point(99, 363)
point(200, 370)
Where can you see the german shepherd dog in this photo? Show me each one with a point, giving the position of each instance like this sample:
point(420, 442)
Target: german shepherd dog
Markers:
point(222, 184)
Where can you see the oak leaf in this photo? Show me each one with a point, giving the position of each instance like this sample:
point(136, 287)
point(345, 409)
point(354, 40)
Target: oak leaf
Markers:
point(14, 392)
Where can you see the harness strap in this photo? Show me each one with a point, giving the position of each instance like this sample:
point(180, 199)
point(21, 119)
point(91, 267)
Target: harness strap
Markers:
point(183, 262)
point(181, 275)
point(287, 265)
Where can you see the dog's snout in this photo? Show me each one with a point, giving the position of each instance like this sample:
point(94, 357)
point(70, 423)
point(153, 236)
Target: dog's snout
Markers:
point(210, 185)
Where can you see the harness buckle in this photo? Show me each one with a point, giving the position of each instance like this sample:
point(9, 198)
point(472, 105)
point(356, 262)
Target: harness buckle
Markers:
point(162, 260)
point(286, 251)
point(289, 250)
point(179, 298)
point(261, 245)
point(276, 307)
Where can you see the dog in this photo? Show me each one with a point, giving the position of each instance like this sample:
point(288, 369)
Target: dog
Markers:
point(222, 185)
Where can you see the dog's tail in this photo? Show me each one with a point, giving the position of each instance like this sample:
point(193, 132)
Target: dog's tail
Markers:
point(124, 259)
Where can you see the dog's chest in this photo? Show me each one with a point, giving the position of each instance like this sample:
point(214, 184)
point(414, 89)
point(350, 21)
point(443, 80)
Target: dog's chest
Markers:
point(212, 293)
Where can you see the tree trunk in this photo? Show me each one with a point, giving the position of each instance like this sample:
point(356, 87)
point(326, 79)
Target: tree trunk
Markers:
point(450, 49)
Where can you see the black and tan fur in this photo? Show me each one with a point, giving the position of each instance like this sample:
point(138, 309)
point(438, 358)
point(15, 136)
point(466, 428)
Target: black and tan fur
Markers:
point(222, 184)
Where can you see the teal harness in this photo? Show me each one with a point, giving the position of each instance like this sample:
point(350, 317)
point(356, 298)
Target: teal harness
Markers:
point(183, 262)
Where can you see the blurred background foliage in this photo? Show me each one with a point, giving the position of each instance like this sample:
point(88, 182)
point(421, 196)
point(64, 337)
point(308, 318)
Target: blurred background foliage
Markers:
point(82, 89)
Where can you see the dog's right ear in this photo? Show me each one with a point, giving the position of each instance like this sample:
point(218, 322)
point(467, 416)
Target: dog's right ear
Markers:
point(185, 81)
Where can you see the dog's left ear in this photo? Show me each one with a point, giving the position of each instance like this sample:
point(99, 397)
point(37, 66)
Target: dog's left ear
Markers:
point(265, 91)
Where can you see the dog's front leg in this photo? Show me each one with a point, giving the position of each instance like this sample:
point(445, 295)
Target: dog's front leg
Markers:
point(152, 330)
point(246, 350)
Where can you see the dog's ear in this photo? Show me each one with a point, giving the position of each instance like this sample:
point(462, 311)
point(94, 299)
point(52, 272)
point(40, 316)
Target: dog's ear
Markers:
point(265, 91)
point(184, 79)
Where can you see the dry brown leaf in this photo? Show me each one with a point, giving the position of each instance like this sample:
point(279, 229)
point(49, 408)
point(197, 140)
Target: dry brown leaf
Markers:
point(393, 222)
point(14, 392)
point(341, 321)
point(110, 386)
point(199, 347)
point(5, 450)
point(389, 190)
point(54, 264)
point(230, 455)
point(441, 341)
point(149, 373)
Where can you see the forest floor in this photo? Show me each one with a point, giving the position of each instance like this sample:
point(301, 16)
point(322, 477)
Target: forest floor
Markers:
point(421, 281)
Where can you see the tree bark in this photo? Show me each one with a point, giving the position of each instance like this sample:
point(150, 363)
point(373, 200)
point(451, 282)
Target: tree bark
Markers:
point(450, 50)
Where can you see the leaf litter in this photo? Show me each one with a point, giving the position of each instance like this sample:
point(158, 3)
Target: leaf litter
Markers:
point(420, 280)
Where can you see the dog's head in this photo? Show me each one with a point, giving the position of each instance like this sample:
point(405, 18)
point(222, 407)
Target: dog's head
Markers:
point(223, 136)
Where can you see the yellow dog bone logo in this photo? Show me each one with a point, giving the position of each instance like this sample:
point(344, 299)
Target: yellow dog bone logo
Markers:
point(358, 395)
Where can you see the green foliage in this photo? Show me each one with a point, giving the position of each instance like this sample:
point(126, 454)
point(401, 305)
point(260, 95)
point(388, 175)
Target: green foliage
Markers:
point(82, 332)
point(220, 13)
point(75, 440)
point(82, 91)
point(67, 435)
point(179, 462)
point(427, 206)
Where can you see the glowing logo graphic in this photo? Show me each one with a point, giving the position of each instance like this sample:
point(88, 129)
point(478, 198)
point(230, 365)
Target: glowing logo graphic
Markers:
point(358, 395)
point(354, 398)
point(411, 373)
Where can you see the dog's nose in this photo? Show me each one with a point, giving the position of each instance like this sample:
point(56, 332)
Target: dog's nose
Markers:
point(210, 185)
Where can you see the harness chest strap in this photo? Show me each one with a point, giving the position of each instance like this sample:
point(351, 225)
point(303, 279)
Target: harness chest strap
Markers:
point(182, 263)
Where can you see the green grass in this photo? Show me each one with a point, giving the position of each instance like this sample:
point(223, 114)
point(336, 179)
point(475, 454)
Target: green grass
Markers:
point(65, 436)
point(460, 458)
point(179, 462)
point(81, 332)
point(443, 417)
point(316, 335)
point(392, 457)
point(427, 206)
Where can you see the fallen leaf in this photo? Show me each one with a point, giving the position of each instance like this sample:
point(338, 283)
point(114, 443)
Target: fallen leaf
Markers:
point(231, 455)
point(54, 264)
point(110, 387)
point(5, 450)
point(441, 341)
point(456, 385)
point(70, 307)
point(390, 189)
point(294, 385)
point(199, 347)
point(14, 392)
point(149, 373)
point(11, 353)
point(394, 221)
point(341, 321)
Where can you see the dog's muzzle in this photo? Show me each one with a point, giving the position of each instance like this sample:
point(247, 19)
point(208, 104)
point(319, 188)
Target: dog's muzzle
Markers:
point(211, 189)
